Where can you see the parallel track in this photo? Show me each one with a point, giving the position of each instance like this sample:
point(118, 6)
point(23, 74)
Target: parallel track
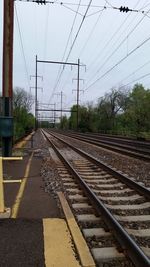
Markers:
point(140, 150)
point(110, 199)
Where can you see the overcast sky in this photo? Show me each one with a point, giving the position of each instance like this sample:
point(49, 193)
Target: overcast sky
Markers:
point(105, 38)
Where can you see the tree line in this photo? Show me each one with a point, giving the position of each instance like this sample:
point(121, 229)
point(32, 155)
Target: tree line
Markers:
point(23, 118)
point(124, 111)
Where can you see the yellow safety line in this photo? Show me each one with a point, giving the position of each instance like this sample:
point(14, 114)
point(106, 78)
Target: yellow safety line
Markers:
point(58, 250)
point(16, 205)
point(80, 243)
point(12, 158)
point(11, 181)
point(1, 186)
point(22, 143)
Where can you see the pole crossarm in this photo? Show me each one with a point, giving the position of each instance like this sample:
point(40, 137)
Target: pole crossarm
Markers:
point(78, 64)
point(59, 62)
point(38, 76)
point(64, 110)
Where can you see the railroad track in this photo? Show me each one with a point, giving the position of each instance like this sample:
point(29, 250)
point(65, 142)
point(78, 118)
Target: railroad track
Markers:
point(137, 149)
point(111, 209)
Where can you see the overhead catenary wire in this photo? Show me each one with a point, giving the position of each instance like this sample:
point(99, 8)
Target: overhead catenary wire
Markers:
point(110, 6)
point(135, 80)
point(71, 48)
point(118, 63)
point(22, 47)
point(120, 44)
point(88, 29)
point(111, 38)
point(69, 37)
point(134, 72)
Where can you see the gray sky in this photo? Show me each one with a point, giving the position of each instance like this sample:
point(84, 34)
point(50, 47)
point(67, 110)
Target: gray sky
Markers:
point(104, 39)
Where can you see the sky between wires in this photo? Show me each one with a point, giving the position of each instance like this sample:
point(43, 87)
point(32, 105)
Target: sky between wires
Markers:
point(114, 46)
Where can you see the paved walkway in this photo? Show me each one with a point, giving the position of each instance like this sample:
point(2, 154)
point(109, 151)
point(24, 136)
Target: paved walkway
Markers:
point(36, 235)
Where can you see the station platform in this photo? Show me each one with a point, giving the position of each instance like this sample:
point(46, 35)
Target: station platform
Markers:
point(36, 234)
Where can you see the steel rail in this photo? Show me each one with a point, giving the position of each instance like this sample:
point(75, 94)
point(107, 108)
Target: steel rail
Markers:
point(141, 189)
point(128, 245)
point(106, 145)
point(114, 142)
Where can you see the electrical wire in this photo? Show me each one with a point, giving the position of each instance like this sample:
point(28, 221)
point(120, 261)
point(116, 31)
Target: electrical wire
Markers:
point(134, 72)
point(71, 48)
point(60, 72)
point(120, 44)
point(137, 79)
point(111, 38)
point(22, 47)
point(118, 63)
point(91, 33)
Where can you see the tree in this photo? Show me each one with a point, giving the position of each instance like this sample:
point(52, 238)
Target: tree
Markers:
point(73, 118)
point(138, 110)
point(64, 124)
point(110, 105)
point(23, 119)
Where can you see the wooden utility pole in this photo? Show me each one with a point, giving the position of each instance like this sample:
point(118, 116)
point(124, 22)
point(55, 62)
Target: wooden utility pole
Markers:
point(7, 95)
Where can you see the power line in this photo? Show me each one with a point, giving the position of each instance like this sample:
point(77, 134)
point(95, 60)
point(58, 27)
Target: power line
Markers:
point(91, 33)
point(141, 67)
point(125, 9)
point(137, 79)
point(118, 63)
point(121, 43)
point(22, 48)
point(112, 37)
point(60, 73)
point(80, 26)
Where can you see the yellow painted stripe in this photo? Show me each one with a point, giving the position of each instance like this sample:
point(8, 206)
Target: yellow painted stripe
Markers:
point(57, 244)
point(12, 158)
point(16, 205)
point(80, 243)
point(22, 143)
point(11, 181)
point(2, 206)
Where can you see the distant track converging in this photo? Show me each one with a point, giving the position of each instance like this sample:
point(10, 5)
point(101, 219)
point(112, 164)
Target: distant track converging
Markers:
point(111, 209)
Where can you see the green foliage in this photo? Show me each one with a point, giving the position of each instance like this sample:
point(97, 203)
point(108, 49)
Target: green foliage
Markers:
point(64, 124)
point(23, 119)
point(138, 111)
point(121, 111)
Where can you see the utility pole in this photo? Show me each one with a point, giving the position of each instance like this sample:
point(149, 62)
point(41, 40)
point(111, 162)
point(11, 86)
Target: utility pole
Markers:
point(54, 114)
point(36, 126)
point(78, 77)
point(61, 102)
point(78, 90)
point(7, 95)
point(36, 87)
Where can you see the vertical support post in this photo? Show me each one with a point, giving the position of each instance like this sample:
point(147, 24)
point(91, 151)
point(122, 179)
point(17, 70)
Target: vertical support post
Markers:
point(54, 114)
point(61, 104)
point(7, 142)
point(36, 123)
point(78, 84)
point(1, 186)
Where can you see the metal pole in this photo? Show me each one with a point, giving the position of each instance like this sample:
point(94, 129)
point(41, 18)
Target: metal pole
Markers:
point(7, 142)
point(78, 81)
point(54, 114)
point(36, 123)
point(61, 105)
